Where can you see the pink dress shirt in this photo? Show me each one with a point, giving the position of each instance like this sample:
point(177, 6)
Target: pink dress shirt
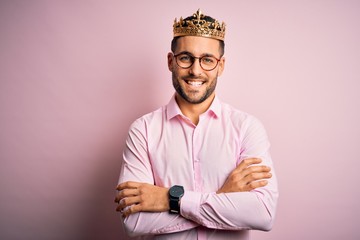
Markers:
point(165, 148)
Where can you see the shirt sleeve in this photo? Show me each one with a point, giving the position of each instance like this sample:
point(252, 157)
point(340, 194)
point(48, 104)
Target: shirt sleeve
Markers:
point(238, 210)
point(136, 167)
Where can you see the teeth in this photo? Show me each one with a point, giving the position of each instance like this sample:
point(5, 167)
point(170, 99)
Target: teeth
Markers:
point(193, 83)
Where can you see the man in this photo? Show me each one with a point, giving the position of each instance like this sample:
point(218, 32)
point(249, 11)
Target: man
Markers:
point(192, 168)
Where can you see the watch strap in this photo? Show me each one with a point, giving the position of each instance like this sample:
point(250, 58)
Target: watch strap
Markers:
point(174, 205)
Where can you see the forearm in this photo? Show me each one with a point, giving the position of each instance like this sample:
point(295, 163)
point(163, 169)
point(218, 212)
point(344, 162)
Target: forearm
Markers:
point(145, 223)
point(231, 211)
point(145, 210)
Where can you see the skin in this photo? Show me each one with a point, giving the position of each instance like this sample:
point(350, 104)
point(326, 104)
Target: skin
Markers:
point(193, 100)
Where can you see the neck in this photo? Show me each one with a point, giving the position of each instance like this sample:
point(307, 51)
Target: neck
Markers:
point(191, 110)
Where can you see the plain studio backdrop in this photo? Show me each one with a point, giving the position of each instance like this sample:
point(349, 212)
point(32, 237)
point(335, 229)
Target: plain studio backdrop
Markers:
point(75, 74)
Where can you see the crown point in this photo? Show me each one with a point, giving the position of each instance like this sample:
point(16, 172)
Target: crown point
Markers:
point(198, 15)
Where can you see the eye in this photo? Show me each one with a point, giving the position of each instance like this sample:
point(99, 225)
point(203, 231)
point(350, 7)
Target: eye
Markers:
point(184, 58)
point(208, 60)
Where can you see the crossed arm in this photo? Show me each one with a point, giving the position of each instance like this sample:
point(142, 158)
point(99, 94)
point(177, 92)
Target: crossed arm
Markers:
point(246, 200)
point(136, 197)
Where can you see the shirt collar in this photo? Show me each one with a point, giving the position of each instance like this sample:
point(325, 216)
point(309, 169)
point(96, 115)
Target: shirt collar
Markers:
point(215, 107)
point(174, 110)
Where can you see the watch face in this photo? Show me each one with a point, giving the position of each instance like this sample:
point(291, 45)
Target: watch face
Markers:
point(176, 191)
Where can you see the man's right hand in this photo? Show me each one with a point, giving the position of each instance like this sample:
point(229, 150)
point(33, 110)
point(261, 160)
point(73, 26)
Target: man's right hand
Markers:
point(245, 177)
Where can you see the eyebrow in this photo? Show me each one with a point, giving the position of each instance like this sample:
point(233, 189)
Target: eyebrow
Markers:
point(203, 55)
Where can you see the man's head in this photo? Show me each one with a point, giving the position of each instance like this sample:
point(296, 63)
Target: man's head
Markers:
point(197, 58)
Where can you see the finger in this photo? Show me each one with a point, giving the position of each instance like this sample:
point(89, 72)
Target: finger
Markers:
point(255, 169)
point(256, 184)
point(126, 202)
point(126, 193)
point(246, 163)
point(128, 184)
point(133, 209)
point(256, 176)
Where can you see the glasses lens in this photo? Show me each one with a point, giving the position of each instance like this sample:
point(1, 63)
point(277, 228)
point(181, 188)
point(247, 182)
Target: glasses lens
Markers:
point(208, 63)
point(184, 60)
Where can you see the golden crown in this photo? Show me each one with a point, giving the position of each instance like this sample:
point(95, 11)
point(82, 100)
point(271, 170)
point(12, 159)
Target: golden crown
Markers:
point(199, 25)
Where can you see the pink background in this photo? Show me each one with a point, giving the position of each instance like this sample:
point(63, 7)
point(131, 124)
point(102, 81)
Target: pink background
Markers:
point(75, 74)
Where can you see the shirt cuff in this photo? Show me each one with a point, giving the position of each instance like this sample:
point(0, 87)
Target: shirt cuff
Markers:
point(190, 205)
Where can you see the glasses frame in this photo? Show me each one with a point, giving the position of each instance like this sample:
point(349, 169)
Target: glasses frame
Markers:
point(193, 57)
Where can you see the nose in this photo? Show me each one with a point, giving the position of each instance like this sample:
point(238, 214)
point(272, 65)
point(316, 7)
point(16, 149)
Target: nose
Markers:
point(195, 68)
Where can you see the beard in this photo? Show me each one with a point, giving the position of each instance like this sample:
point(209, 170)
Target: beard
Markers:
point(190, 97)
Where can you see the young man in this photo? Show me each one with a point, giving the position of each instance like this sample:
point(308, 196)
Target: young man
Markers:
point(192, 168)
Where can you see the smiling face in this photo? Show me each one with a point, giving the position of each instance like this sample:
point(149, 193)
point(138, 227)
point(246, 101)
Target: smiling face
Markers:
point(194, 85)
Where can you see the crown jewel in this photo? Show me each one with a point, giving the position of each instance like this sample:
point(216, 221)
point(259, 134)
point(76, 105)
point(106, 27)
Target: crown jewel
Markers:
point(199, 25)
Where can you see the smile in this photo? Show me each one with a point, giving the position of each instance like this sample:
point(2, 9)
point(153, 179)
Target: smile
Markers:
point(194, 83)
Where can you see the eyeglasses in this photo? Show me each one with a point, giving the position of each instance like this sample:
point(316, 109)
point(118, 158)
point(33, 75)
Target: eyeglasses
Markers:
point(186, 60)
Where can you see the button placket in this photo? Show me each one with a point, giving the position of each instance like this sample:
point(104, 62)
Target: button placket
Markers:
point(196, 160)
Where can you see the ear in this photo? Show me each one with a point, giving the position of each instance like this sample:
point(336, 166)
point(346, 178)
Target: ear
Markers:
point(170, 61)
point(221, 66)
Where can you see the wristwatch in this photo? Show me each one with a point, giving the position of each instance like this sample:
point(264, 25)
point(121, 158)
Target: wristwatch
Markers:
point(175, 194)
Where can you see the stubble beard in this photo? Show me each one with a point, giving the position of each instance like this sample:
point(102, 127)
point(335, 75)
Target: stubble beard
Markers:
point(181, 91)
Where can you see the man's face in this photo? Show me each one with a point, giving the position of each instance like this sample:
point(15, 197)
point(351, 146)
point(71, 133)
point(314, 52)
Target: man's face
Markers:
point(194, 84)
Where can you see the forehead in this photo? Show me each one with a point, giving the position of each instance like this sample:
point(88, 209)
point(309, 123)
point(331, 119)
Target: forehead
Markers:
point(198, 45)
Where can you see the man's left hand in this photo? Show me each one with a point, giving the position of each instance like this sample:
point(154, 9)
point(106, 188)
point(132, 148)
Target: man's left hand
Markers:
point(141, 197)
